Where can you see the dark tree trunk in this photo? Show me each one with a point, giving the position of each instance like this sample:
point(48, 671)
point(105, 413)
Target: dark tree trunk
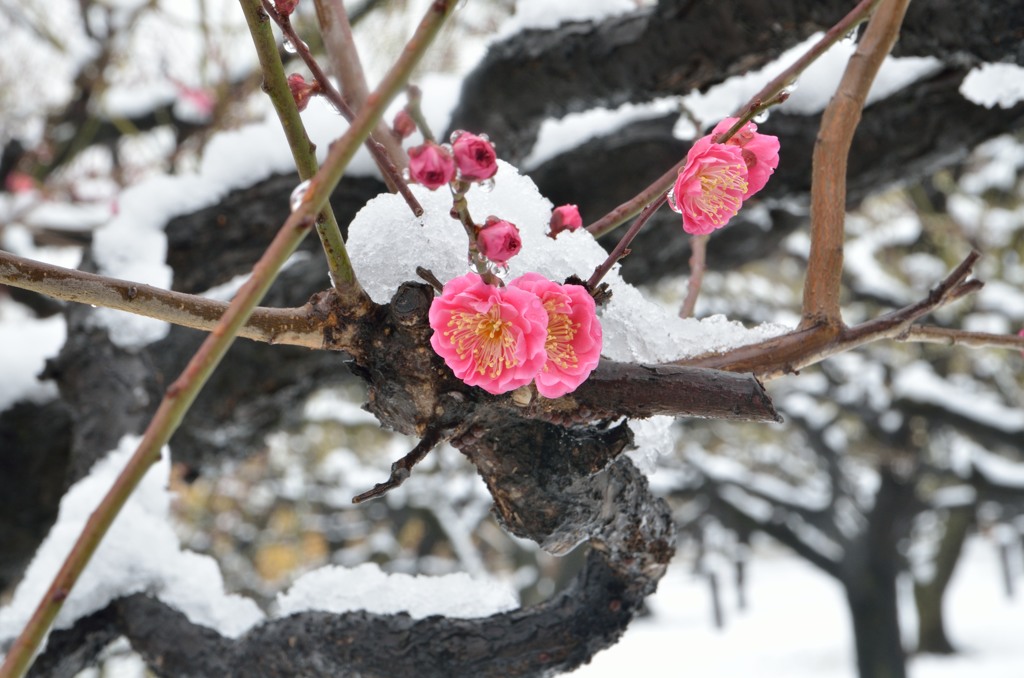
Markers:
point(928, 595)
point(869, 577)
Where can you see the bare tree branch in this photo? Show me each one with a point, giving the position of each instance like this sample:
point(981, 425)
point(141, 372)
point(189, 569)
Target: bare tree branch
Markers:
point(295, 326)
point(803, 347)
point(831, 153)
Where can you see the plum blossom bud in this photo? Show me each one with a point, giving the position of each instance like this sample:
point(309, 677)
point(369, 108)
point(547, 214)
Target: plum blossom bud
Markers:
point(302, 91)
point(285, 7)
point(404, 125)
point(431, 165)
point(474, 156)
point(564, 218)
point(499, 240)
point(20, 182)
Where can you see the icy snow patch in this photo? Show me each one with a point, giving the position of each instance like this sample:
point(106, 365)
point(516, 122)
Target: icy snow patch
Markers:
point(140, 553)
point(387, 244)
point(653, 438)
point(991, 85)
point(339, 590)
point(27, 342)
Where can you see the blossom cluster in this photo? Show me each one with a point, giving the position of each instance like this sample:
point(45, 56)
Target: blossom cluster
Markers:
point(470, 157)
point(718, 177)
point(502, 338)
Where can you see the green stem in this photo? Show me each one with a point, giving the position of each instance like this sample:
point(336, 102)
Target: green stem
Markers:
point(182, 393)
point(384, 160)
point(275, 83)
point(460, 211)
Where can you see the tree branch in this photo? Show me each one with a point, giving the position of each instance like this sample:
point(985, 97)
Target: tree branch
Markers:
point(276, 86)
point(831, 154)
point(803, 347)
point(344, 57)
point(294, 326)
point(929, 334)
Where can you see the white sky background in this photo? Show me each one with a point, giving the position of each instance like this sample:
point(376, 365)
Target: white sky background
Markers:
point(810, 638)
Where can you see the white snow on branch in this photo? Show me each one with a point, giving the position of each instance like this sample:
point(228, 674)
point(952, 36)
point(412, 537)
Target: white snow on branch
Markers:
point(140, 553)
point(814, 88)
point(558, 135)
point(27, 342)
point(997, 469)
point(387, 244)
point(133, 245)
point(919, 383)
point(543, 14)
point(992, 85)
point(340, 589)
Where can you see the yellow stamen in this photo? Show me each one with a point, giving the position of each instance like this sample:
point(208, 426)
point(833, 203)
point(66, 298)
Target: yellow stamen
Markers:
point(561, 331)
point(721, 192)
point(486, 337)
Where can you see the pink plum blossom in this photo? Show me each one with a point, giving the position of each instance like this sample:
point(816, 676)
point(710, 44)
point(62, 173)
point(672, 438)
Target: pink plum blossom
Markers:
point(431, 165)
point(565, 218)
point(20, 182)
point(711, 187)
point(475, 156)
point(491, 337)
point(760, 152)
point(499, 240)
point(573, 345)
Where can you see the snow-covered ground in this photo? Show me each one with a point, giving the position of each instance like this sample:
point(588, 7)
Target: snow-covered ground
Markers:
point(796, 626)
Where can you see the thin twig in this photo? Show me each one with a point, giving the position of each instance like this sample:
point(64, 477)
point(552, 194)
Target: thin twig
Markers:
point(927, 334)
point(831, 154)
point(275, 83)
point(429, 277)
point(759, 102)
point(382, 158)
point(341, 50)
point(622, 248)
point(402, 469)
point(184, 390)
point(293, 326)
point(414, 97)
point(807, 346)
point(698, 263)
